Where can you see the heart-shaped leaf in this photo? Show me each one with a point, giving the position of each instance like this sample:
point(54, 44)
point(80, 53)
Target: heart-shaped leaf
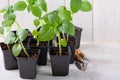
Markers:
point(10, 38)
point(17, 48)
point(86, 6)
point(7, 23)
point(64, 14)
point(42, 4)
point(67, 27)
point(36, 22)
point(63, 42)
point(75, 5)
point(46, 33)
point(20, 6)
point(36, 11)
point(35, 33)
point(54, 19)
point(22, 34)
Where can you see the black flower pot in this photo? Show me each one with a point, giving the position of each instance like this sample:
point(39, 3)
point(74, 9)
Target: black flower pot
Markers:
point(28, 66)
point(42, 60)
point(10, 61)
point(78, 32)
point(60, 63)
point(71, 43)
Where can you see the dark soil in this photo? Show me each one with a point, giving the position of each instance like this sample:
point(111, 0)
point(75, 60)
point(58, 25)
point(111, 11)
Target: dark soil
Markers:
point(30, 54)
point(33, 42)
point(4, 46)
point(71, 40)
point(56, 51)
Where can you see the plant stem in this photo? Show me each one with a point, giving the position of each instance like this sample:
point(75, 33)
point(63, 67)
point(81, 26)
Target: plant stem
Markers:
point(24, 50)
point(72, 16)
point(8, 47)
point(37, 43)
point(63, 35)
point(18, 24)
point(67, 37)
point(60, 49)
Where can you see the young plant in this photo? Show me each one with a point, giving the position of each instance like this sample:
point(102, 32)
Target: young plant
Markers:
point(37, 7)
point(2, 34)
point(9, 19)
point(60, 21)
point(21, 35)
point(56, 22)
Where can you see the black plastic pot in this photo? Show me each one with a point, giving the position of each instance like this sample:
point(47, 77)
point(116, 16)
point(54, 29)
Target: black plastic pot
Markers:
point(78, 32)
point(28, 66)
point(71, 43)
point(10, 61)
point(42, 60)
point(60, 63)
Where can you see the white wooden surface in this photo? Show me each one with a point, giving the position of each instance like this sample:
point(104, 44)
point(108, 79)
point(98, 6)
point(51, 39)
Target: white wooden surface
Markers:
point(106, 20)
point(100, 25)
point(2, 3)
point(83, 20)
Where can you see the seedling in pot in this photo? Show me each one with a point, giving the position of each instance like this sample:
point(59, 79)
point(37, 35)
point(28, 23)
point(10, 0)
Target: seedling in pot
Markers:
point(56, 22)
point(37, 7)
point(9, 20)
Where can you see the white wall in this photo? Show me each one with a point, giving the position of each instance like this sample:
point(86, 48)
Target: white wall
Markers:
point(106, 20)
point(100, 25)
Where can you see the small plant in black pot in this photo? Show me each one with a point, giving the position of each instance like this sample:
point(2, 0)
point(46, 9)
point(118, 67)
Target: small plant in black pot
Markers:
point(36, 7)
point(10, 61)
point(27, 59)
point(55, 23)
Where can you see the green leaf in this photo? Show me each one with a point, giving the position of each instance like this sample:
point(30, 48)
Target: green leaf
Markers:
point(17, 48)
point(1, 30)
point(64, 14)
point(9, 19)
point(2, 11)
point(9, 9)
point(46, 33)
point(31, 2)
point(75, 5)
point(36, 22)
point(35, 33)
point(42, 4)
point(7, 23)
point(54, 19)
point(86, 6)
point(20, 6)
point(22, 34)
point(36, 11)
point(67, 27)
point(63, 42)
point(10, 16)
point(10, 38)
point(28, 8)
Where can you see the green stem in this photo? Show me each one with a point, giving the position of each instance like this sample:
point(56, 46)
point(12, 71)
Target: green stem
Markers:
point(18, 25)
point(67, 37)
point(25, 51)
point(8, 47)
point(72, 16)
point(60, 49)
point(63, 35)
point(37, 43)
